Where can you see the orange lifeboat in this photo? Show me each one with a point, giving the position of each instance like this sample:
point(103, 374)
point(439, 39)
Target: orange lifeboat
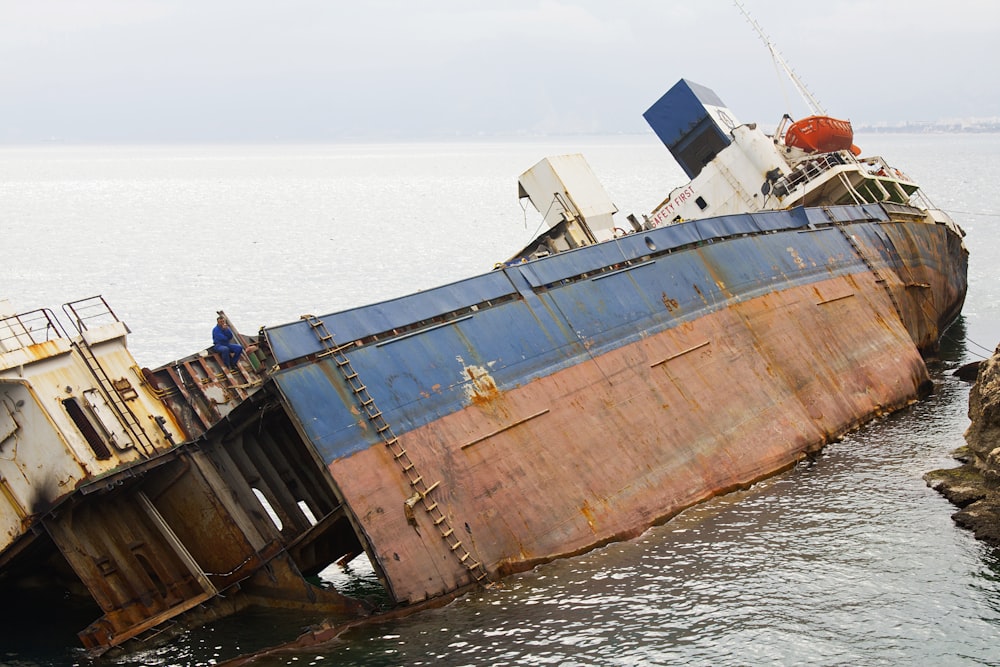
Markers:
point(821, 134)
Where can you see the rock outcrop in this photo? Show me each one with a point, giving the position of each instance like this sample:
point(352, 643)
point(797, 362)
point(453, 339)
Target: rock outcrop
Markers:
point(975, 485)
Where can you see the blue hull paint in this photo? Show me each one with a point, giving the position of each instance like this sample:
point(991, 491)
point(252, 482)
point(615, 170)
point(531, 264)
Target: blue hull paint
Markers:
point(531, 320)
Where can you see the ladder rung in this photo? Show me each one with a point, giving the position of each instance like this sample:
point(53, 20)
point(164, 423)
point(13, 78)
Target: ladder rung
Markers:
point(456, 545)
point(401, 454)
point(431, 487)
point(464, 557)
point(414, 482)
point(447, 533)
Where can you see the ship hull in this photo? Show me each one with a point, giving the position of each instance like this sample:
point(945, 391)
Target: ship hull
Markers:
point(548, 408)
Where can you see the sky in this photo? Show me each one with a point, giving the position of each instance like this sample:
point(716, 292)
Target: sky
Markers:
point(327, 70)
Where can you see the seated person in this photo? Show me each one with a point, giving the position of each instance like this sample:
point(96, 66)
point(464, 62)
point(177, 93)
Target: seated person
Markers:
point(224, 342)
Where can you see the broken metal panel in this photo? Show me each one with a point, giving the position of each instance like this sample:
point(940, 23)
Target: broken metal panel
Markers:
point(153, 547)
point(123, 552)
point(222, 534)
point(264, 454)
point(109, 424)
point(565, 191)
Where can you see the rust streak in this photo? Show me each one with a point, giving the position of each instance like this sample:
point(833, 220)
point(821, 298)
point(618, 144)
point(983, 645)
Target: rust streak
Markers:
point(671, 304)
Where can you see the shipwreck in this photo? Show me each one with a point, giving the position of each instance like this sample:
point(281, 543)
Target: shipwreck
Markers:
point(610, 374)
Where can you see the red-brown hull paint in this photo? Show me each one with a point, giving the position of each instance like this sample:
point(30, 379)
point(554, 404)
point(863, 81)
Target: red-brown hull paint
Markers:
point(609, 447)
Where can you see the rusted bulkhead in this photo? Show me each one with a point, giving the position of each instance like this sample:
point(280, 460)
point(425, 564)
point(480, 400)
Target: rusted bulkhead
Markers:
point(555, 405)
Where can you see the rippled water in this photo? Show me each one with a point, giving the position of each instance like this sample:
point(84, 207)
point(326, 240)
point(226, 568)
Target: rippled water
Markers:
point(847, 559)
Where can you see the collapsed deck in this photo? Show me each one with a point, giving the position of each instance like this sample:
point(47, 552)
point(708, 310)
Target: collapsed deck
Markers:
point(137, 487)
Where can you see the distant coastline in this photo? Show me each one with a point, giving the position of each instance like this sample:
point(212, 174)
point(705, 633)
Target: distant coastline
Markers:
point(978, 125)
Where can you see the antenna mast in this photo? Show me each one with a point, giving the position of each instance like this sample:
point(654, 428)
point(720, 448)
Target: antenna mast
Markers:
point(807, 96)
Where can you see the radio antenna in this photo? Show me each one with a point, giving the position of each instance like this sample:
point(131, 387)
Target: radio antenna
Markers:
point(807, 96)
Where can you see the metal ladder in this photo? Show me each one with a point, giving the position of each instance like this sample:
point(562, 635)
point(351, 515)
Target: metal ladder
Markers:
point(421, 489)
point(864, 258)
point(125, 415)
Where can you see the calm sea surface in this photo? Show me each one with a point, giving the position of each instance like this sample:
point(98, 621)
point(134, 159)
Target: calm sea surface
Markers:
point(850, 559)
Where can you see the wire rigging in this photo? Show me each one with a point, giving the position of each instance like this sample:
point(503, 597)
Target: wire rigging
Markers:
point(807, 96)
point(991, 215)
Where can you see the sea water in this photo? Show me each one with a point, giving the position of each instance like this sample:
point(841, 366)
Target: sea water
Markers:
point(848, 559)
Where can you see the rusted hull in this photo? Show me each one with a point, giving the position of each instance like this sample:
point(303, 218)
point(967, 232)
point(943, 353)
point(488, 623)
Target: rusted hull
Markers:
point(567, 404)
point(604, 449)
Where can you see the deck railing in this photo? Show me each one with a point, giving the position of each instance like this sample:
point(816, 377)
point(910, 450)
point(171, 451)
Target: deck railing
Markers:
point(92, 311)
point(30, 328)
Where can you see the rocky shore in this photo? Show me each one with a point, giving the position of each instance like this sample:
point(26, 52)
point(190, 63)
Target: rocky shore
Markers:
point(975, 485)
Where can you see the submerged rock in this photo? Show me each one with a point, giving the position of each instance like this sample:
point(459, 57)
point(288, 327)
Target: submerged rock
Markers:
point(968, 372)
point(975, 485)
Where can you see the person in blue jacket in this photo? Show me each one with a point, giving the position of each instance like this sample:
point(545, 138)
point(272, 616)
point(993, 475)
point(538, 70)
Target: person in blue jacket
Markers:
point(224, 342)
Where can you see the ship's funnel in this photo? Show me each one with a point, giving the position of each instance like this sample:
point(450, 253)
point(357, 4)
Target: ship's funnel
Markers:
point(693, 123)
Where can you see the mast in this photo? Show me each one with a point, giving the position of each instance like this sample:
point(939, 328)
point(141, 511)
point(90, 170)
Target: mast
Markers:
point(807, 96)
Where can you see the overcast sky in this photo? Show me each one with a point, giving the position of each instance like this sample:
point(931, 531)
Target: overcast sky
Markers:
point(315, 70)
